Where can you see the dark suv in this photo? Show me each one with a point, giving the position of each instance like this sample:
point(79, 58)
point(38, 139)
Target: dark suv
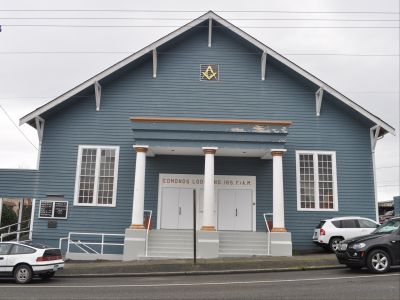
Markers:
point(378, 251)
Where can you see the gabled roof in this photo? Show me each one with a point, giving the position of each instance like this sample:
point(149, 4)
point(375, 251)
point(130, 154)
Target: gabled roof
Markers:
point(29, 118)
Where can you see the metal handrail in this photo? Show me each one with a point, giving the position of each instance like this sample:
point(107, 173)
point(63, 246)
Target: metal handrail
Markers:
point(269, 232)
point(12, 233)
point(147, 231)
point(81, 244)
point(9, 226)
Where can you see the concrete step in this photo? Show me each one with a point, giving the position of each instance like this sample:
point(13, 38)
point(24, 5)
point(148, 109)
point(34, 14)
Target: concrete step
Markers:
point(242, 244)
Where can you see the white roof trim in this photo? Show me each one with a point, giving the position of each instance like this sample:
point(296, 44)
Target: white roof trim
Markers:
point(209, 15)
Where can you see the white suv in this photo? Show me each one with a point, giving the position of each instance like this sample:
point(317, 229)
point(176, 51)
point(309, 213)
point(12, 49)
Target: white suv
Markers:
point(330, 232)
point(24, 260)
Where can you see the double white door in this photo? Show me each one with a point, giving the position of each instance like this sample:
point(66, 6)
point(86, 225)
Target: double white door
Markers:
point(177, 208)
point(235, 209)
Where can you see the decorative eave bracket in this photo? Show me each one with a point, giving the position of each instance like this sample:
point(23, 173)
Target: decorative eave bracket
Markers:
point(154, 63)
point(374, 133)
point(263, 65)
point(40, 128)
point(209, 32)
point(318, 100)
point(97, 92)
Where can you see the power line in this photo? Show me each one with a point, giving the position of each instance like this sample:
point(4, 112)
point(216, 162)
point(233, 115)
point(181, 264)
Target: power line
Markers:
point(387, 167)
point(81, 96)
point(187, 19)
point(198, 26)
point(201, 11)
point(16, 126)
point(130, 52)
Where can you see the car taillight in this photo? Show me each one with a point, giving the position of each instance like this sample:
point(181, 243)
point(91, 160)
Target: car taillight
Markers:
point(48, 258)
point(321, 232)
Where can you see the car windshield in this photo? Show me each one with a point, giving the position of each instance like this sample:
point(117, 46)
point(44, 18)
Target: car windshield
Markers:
point(388, 227)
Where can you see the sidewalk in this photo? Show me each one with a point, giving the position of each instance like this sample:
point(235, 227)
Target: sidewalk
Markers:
point(203, 266)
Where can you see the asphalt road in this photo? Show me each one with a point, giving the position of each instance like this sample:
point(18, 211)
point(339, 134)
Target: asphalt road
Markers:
point(326, 284)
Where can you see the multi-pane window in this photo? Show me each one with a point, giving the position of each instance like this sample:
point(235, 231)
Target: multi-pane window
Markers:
point(316, 180)
point(96, 175)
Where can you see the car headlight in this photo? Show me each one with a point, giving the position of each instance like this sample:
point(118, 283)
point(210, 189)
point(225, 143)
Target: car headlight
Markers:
point(358, 246)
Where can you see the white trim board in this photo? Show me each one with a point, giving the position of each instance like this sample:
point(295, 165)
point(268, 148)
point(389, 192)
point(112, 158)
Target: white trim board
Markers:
point(209, 15)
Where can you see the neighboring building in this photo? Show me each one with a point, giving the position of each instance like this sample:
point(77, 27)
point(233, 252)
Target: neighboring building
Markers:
point(385, 206)
point(207, 112)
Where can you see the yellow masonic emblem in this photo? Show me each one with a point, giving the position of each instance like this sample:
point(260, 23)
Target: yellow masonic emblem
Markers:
point(210, 72)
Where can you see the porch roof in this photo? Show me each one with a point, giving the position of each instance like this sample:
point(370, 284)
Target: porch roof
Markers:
point(187, 136)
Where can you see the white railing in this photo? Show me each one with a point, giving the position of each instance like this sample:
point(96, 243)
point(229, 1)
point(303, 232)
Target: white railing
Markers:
point(269, 232)
point(86, 246)
point(7, 230)
point(18, 233)
point(8, 227)
point(147, 229)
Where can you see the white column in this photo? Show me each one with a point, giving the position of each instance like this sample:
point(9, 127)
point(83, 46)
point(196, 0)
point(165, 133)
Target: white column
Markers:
point(208, 205)
point(138, 192)
point(278, 209)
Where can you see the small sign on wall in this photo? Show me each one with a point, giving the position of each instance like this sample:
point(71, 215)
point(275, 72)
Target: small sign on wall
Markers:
point(49, 209)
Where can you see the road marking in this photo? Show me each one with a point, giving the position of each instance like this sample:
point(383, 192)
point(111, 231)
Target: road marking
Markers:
point(196, 284)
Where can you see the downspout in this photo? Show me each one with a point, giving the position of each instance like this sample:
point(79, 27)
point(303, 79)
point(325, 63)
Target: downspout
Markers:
point(39, 122)
point(374, 138)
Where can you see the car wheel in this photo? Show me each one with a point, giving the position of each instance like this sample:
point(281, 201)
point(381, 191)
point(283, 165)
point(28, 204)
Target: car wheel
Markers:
point(378, 261)
point(334, 244)
point(46, 276)
point(23, 274)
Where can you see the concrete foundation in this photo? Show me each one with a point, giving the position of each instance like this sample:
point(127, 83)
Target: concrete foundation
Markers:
point(207, 244)
point(281, 244)
point(134, 244)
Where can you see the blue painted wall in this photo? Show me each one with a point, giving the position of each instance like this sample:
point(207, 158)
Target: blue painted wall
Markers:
point(20, 183)
point(396, 204)
point(177, 92)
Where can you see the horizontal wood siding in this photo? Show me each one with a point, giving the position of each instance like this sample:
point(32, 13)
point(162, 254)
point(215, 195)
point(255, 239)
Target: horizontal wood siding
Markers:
point(178, 92)
point(18, 183)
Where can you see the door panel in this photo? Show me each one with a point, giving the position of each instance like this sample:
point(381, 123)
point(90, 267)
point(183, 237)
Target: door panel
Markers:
point(169, 208)
point(226, 209)
point(244, 206)
point(185, 209)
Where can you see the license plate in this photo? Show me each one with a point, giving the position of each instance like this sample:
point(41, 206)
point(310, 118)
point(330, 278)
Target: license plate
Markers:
point(55, 268)
point(315, 236)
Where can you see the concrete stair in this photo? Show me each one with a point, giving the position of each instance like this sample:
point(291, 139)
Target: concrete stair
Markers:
point(170, 244)
point(241, 243)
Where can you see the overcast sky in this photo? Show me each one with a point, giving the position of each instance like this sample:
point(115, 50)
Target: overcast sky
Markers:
point(38, 63)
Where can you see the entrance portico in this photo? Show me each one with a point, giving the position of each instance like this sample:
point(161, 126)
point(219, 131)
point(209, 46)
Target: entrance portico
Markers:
point(221, 208)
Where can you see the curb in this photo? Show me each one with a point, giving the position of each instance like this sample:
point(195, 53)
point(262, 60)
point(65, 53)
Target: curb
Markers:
point(206, 272)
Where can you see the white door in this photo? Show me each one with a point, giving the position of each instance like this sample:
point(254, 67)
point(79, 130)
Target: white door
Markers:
point(185, 209)
point(244, 210)
point(4, 255)
point(169, 208)
point(235, 210)
point(226, 209)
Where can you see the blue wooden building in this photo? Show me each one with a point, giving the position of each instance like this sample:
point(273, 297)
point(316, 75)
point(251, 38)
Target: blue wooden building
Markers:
point(205, 123)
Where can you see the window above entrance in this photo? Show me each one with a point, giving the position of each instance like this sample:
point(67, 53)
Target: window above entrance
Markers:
point(316, 180)
point(96, 176)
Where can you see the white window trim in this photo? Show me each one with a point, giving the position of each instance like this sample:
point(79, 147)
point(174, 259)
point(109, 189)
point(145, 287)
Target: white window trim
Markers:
point(96, 179)
point(316, 181)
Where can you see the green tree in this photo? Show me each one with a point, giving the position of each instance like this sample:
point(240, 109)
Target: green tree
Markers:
point(8, 216)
